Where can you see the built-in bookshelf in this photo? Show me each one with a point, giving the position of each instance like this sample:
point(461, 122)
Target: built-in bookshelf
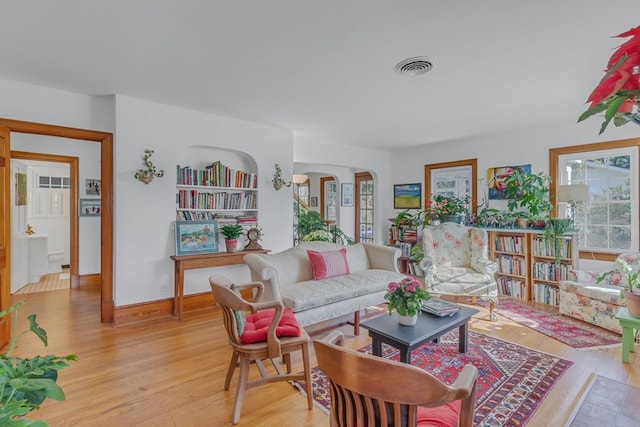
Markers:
point(217, 192)
point(527, 264)
point(405, 237)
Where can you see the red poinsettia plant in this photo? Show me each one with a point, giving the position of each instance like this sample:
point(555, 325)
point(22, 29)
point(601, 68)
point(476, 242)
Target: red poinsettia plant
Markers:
point(616, 94)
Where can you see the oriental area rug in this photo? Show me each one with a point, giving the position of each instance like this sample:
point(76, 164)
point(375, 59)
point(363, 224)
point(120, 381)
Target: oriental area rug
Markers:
point(513, 380)
point(572, 332)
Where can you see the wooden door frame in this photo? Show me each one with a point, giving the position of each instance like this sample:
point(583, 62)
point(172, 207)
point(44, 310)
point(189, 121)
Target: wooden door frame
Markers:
point(322, 182)
point(361, 176)
point(74, 194)
point(105, 139)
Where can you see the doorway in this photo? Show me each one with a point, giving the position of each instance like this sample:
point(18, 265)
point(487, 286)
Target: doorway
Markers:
point(51, 219)
point(105, 140)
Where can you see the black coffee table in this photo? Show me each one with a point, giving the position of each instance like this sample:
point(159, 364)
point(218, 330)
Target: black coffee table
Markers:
point(429, 328)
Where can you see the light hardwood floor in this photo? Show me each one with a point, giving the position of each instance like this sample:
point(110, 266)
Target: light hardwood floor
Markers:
point(171, 373)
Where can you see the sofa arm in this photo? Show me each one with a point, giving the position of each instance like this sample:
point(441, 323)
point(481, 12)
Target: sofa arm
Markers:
point(263, 271)
point(382, 257)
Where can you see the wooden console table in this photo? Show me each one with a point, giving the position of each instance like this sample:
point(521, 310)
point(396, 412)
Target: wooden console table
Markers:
point(191, 262)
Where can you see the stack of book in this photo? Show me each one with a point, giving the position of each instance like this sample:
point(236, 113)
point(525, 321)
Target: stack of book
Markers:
point(440, 307)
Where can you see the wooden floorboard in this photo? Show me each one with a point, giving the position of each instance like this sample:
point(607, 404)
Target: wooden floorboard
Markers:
point(171, 373)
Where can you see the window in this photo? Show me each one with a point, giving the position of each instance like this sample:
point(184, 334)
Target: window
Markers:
point(608, 224)
point(452, 179)
point(364, 207)
point(53, 182)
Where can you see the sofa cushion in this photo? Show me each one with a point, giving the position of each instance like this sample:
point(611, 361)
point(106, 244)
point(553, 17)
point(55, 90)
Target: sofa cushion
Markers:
point(241, 319)
point(315, 293)
point(600, 292)
point(328, 264)
point(257, 326)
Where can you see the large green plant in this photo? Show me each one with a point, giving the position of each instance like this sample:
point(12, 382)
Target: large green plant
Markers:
point(26, 383)
point(529, 191)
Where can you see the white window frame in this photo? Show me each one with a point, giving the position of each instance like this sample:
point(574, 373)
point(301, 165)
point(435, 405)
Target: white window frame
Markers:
point(632, 152)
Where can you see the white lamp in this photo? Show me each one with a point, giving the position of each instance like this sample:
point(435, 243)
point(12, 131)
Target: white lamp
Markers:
point(299, 179)
point(574, 195)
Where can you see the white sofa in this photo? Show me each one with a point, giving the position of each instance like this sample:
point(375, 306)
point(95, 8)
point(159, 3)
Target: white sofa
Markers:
point(288, 275)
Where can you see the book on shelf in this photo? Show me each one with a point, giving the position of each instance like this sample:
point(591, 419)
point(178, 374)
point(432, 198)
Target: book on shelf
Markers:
point(440, 307)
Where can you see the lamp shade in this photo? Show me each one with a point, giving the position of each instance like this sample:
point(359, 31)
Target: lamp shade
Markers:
point(573, 193)
point(299, 179)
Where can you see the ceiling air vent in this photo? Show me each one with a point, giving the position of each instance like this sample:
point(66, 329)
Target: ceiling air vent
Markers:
point(414, 66)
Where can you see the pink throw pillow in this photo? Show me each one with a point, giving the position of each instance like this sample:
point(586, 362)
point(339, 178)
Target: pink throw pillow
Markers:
point(442, 416)
point(328, 264)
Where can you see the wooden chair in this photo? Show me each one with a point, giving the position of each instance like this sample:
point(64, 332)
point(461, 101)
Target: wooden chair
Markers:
point(273, 348)
point(371, 391)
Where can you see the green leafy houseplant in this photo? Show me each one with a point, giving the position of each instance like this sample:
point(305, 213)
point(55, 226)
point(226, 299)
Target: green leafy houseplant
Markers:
point(529, 191)
point(26, 383)
point(231, 231)
point(554, 231)
point(405, 297)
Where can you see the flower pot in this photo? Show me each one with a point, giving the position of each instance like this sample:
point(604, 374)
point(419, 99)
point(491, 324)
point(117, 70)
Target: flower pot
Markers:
point(633, 303)
point(522, 222)
point(232, 245)
point(408, 320)
point(453, 218)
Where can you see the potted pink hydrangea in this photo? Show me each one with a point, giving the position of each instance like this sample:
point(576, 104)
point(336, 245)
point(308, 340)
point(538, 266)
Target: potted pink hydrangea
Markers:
point(406, 298)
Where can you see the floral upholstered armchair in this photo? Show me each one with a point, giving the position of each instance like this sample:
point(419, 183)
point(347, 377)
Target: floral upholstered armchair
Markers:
point(456, 262)
point(583, 297)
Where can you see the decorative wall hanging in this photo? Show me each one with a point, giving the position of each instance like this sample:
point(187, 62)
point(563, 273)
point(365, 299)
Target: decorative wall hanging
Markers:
point(146, 175)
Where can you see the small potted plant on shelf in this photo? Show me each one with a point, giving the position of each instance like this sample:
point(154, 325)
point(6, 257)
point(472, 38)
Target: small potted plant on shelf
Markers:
point(448, 209)
point(529, 191)
point(231, 232)
point(406, 297)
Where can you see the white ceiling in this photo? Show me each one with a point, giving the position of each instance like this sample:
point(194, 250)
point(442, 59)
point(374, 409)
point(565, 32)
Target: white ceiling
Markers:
point(325, 67)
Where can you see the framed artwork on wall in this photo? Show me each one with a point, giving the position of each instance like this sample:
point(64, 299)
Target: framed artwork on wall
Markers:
point(314, 202)
point(407, 196)
point(196, 237)
point(347, 195)
point(497, 176)
point(92, 187)
point(89, 207)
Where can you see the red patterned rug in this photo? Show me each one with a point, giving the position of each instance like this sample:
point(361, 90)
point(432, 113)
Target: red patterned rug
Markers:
point(572, 332)
point(513, 380)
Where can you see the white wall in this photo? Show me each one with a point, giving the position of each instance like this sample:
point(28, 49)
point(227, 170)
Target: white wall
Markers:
point(144, 214)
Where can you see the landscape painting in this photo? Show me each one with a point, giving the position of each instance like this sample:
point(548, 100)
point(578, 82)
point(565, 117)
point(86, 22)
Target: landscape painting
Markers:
point(407, 196)
point(196, 237)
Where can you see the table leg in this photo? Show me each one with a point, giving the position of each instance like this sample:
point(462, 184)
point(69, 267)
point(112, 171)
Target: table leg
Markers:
point(178, 290)
point(405, 355)
point(463, 334)
point(627, 342)
point(376, 346)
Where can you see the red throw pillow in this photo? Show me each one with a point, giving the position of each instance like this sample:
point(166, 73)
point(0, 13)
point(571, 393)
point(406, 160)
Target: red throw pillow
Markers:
point(257, 326)
point(328, 264)
point(442, 416)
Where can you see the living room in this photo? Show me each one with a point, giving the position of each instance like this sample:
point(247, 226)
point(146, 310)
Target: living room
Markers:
point(180, 133)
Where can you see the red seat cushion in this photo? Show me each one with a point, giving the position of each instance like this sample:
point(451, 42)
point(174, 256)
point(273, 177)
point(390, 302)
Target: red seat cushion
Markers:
point(257, 326)
point(442, 416)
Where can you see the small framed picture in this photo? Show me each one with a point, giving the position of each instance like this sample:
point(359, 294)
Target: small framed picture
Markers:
point(347, 195)
point(196, 237)
point(89, 207)
point(92, 187)
point(314, 202)
point(407, 196)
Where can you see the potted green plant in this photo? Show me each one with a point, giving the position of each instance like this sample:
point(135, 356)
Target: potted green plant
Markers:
point(529, 191)
point(231, 232)
point(26, 382)
point(405, 217)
